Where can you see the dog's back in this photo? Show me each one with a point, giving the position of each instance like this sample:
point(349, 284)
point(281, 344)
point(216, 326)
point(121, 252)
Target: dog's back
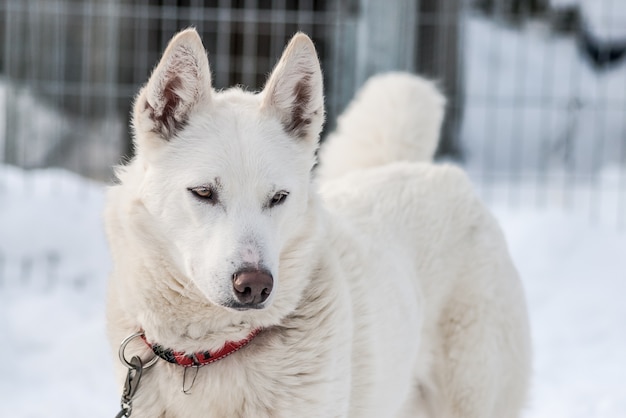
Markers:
point(474, 355)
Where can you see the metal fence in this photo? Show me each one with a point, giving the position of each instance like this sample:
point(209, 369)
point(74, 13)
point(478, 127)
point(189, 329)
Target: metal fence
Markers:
point(537, 96)
point(73, 66)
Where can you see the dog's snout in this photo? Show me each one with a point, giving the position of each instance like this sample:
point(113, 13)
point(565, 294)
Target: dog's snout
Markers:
point(252, 286)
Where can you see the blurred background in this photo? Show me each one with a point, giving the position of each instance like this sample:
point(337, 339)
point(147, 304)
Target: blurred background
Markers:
point(536, 114)
point(536, 88)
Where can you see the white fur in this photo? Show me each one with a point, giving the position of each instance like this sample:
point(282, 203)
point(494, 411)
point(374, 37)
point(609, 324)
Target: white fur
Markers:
point(394, 117)
point(393, 293)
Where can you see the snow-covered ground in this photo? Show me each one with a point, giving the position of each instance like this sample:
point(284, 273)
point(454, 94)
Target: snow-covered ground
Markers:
point(57, 363)
point(53, 268)
point(575, 277)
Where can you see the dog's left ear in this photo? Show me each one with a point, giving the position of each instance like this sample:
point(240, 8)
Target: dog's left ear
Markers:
point(294, 91)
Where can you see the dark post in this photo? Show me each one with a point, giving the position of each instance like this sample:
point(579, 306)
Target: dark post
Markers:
point(438, 57)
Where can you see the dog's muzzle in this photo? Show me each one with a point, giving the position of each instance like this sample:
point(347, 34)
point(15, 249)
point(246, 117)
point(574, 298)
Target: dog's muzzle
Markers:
point(252, 287)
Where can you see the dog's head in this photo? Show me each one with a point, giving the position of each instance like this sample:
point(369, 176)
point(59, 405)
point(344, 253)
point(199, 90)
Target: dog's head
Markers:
point(226, 175)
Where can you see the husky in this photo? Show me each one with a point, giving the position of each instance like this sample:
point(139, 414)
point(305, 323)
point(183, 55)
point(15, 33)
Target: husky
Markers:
point(249, 283)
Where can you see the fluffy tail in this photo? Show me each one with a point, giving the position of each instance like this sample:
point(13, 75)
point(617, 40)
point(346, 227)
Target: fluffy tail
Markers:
point(394, 117)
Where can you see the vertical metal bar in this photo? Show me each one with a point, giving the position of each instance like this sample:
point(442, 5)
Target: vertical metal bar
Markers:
point(34, 53)
point(112, 137)
point(197, 15)
point(621, 184)
point(459, 79)
point(598, 160)
point(620, 141)
point(222, 52)
point(336, 41)
point(304, 16)
point(492, 125)
point(34, 44)
point(516, 136)
point(346, 50)
point(11, 25)
point(85, 101)
point(169, 21)
point(278, 28)
point(544, 177)
point(442, 20)
point(141, 46)
point(249, 58)
point(61, 42)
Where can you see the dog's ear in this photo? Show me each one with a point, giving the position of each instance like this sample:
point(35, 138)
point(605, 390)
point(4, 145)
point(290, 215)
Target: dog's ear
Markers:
point(180, 82)
point(294, 90)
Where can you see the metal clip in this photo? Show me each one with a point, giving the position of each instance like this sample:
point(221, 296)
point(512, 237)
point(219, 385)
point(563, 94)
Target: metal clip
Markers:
point(130, 387)
point(135, 370)
point(187, 390)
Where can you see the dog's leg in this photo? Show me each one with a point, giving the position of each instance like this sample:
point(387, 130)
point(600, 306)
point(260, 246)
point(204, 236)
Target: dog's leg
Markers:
point(484, 372)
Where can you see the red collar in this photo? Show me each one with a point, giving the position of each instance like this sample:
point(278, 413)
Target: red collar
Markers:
point(201, 358)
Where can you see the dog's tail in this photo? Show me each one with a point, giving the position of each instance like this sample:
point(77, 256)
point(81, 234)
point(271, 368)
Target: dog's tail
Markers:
point(394, 117)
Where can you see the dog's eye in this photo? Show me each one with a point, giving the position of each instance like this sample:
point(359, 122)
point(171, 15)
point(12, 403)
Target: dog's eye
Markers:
point(278, 198)
point(204, 193)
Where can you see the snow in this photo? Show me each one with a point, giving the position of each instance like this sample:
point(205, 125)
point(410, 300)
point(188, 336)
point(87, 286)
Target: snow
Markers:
point(53, 268)
point(575, 278)
point(53, 281)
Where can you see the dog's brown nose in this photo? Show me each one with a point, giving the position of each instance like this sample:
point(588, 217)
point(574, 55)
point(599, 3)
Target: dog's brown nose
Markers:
point(252, 286)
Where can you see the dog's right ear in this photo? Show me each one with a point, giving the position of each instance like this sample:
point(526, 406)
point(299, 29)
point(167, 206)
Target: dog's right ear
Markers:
point(180, 82)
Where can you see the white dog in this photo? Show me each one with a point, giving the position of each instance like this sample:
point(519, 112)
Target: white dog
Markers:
point(388, 293)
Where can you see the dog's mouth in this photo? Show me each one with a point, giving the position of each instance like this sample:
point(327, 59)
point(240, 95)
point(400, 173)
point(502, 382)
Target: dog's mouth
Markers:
point(237, 306)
